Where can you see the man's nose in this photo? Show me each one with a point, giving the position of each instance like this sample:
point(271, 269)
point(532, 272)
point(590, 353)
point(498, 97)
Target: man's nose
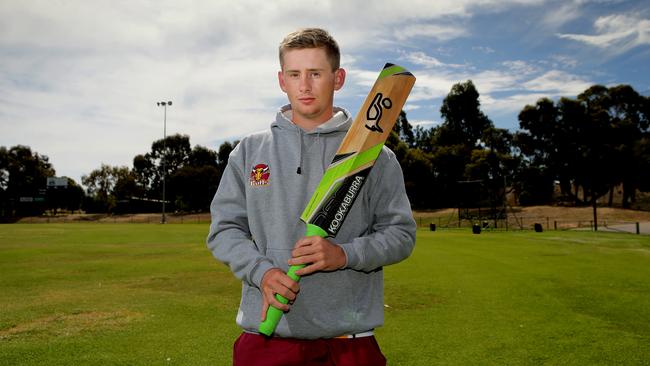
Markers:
point(305, 83)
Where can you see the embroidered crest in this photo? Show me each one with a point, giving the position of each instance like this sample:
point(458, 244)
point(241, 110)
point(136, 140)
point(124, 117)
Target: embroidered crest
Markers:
point(260, 175)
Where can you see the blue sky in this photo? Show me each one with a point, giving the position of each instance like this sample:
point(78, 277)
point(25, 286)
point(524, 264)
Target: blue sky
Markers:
point(79, 81)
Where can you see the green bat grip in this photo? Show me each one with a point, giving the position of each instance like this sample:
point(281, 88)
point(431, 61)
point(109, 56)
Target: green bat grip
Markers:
point(273, 315)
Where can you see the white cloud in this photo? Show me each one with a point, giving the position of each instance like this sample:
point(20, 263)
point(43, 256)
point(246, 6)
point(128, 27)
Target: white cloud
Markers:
point(551, 84)
point(616, 33)
point(557, 16)
point(490, 81)
point(483, 49)
point(564, 61)
point(431, 31)
point(411, 107)
point(555, 82)
point(422, 59)
point(520, 67)
point(424, 123)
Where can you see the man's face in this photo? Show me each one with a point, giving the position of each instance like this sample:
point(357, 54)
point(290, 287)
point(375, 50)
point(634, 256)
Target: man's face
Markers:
point(309, 82)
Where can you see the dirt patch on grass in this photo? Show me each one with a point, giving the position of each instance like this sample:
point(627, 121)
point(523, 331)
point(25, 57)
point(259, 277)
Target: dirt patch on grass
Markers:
point(64, 325)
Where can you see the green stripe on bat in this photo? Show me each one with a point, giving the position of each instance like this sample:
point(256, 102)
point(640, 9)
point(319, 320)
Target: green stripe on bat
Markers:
point(333, 174)
point(391, 70)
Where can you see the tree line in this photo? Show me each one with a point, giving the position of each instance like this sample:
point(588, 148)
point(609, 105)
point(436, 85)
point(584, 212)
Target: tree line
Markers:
point(584, 147)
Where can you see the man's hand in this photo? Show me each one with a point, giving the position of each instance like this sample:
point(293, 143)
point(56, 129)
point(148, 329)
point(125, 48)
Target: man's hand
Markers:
point(319, 254)
point(277, 282)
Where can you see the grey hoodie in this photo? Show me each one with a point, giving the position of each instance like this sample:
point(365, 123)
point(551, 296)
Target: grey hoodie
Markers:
point(256, 211)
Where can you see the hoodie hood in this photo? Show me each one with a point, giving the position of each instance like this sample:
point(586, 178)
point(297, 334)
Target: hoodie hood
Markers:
point(337, 125)
point(340, 122)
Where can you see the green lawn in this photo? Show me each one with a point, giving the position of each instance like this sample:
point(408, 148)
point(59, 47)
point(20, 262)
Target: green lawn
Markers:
point(130, 294)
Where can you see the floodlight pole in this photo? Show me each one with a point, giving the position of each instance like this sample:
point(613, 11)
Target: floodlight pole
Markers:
point(164, 105)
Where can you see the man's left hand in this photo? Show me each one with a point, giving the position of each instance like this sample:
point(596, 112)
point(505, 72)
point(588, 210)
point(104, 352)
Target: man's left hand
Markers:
point(320, 255)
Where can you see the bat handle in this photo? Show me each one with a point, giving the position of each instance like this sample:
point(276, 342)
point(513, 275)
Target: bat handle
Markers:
point(273, 314)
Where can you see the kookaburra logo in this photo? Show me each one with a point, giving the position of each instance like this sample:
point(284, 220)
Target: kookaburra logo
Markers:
point(375, 111)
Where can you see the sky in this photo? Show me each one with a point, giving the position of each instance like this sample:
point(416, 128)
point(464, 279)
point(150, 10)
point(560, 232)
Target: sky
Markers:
point(80, 80)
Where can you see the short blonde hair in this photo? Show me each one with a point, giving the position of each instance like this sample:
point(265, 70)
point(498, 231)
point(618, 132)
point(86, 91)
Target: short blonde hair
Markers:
point(312, 38)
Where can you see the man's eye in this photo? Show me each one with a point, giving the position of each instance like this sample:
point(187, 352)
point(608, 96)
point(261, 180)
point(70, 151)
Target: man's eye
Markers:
point(315, 75)
point(294, 75)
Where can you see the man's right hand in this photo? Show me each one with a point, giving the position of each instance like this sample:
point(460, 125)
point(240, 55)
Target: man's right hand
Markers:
point(275, 281)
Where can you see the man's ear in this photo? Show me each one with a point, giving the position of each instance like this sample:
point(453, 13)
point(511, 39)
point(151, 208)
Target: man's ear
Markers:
point(339, 78)
point(281, 81)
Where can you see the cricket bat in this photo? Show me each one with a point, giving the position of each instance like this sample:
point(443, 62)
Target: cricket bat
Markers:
point(355, 157)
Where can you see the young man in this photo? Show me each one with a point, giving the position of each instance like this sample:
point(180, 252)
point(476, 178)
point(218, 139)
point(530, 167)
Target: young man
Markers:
point(256, 228)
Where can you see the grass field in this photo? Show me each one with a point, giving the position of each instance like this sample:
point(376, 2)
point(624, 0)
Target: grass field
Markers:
point(127, 294)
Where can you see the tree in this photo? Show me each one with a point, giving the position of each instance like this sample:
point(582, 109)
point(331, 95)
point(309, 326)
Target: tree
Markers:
point(416, 164)
point(202, 156)
point(418, 178)
point(4, 181)
point(466, 145)
point(23, 179)
point(448, 168)
point(167, 156)
point(69, 197)
point(192, 174)
point(144, 172)
point(571, 152)
point(629, 121)
point(423, 138)
point(642, 158)
point(404, 129)
point(194, 184)
point(224, 152)
point(464, 122)
point(4, 168)
point(541, 144)
point(106, 185)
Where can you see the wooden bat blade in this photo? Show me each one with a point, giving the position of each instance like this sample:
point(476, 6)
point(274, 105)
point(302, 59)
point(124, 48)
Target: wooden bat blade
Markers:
point(359, 149)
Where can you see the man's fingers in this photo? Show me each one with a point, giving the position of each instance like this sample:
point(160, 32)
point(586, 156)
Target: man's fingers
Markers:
point(314, 267)
point(292, 286)
point(303, 250)
point(265, 308)
point(318, 254)
point(285, 287)
point(304, 241)
point(275, 282)
point(305, 259)
point(278, 305)
point(285, 292)
point(273, 301)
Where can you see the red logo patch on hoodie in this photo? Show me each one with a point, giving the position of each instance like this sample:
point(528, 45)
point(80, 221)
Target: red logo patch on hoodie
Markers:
point(260, 175)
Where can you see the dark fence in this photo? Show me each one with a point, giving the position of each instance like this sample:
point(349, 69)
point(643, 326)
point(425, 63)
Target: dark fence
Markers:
point(531, 223)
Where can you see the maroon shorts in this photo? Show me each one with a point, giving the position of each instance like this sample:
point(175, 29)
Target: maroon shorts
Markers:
point(258, 350)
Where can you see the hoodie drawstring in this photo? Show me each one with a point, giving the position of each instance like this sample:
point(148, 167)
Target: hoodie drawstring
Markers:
point(299, 170)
